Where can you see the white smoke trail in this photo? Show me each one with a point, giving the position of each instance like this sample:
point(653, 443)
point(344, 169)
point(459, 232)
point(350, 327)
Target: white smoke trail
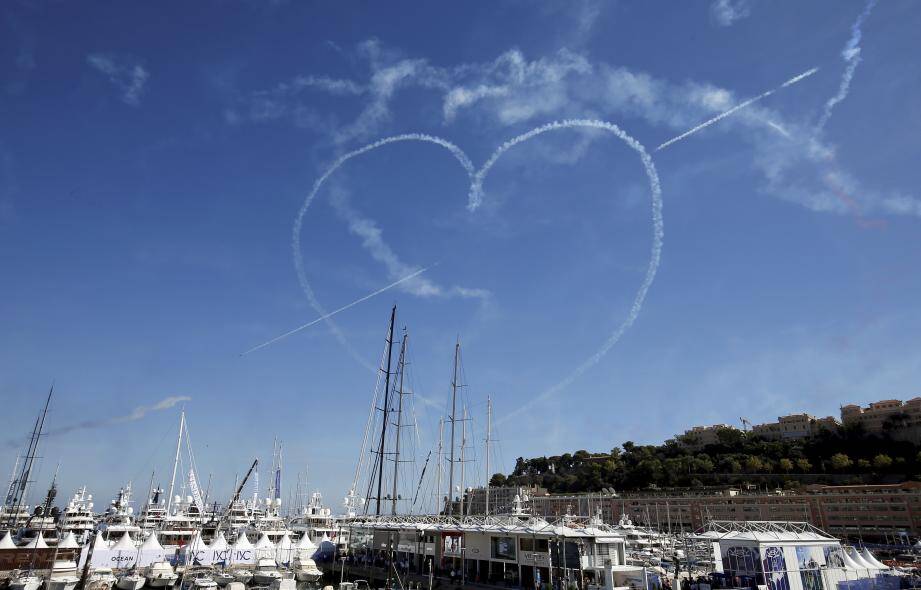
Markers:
point(658, 233)
point(738, 107)
point(343, 308)
point(299, 220)
point(137, 414)
point(851, 55)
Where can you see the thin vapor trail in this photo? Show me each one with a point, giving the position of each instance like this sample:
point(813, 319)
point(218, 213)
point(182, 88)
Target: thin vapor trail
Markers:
point(343, 308)
point(658, 234)
point(851, 55)
point(299, 221)
point(738, 107)
point(137, 414)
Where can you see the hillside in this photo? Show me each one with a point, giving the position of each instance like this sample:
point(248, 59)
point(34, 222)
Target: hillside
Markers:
point(846, 455)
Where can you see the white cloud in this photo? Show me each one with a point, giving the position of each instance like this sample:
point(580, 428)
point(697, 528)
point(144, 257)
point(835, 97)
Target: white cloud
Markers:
point(513, 90)
point(727, 12)
point(126, 74)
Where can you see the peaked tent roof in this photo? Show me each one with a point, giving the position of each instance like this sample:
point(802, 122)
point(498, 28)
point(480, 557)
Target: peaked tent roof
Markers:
point(264, 542)
point(219, 543)
point(69, 541)
point(284, 542)
point(100, 542)
point(242, 542)
point(38, 542)
point(871, 559)
point(7, 542)
point(306, 543)
point(151, 543)
point(125, 543)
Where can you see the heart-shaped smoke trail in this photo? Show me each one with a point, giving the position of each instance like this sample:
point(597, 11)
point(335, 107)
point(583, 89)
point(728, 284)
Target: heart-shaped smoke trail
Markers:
point(299, 221)
point(476, 194)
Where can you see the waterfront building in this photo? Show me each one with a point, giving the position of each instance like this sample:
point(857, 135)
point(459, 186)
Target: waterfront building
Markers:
point(888, 513)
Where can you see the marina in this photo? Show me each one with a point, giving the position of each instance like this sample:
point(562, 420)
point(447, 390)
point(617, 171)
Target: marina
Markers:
point(479, 537)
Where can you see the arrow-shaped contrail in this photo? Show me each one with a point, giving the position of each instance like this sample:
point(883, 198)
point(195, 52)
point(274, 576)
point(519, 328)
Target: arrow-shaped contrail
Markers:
point(739, 106)
point(343, 308)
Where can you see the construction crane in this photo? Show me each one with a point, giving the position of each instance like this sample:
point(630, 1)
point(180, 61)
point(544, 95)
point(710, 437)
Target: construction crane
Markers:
point(236, 496)
point(745, 423)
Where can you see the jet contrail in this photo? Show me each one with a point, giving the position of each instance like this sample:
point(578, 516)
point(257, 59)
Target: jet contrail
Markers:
point(739, 106)
point(136, 414)
point(299, 221)
point(851, 55)
point(343, 308)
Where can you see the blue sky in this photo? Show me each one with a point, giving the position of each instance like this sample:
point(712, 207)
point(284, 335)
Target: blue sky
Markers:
point(153, 159)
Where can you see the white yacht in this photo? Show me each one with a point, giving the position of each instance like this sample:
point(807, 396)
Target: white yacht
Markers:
point(160, 574)
point(316, 520)
point(119, 517)
point(131, 581)
point(63, 576)
point(102, 578)
point(268, 521)
point(78, 517)
point(154, 511)
point(24, 581)
point(266, 572)
point(306, 570)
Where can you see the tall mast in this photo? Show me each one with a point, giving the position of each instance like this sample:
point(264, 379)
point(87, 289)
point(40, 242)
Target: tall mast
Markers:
point(172, 481)
point(453, 420)
point(21, 485)
point(381, 448)
point(488, 440)
point(463, 462)
point(439, 498)
point(401, 368)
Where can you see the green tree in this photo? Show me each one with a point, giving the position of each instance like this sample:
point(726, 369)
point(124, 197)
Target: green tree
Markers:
point(785, 465)
point(804, 465)
point(498, 480)
point(753, 464)
point(864, 464)
point(882, 461)
point(840, 461)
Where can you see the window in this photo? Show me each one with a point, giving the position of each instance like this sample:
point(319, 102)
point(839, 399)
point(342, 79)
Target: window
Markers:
point(526, 544)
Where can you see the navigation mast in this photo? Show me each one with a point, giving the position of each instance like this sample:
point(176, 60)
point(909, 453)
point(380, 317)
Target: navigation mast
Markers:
point(453, 420)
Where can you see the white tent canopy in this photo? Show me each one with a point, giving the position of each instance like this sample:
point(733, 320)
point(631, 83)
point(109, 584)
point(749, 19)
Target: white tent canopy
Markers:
point(264, 542)
point(69, 541)
point(219, 543)
point(125, 543)
point(871, 559)
point(7, 542)
point(38, 542)
point(306, 543)
point(151, 543)
point(242, 543)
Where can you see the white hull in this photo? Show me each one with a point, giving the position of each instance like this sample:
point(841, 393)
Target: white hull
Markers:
point(162, 581)
point(100, 583)
point(130, 583)
point(26, 583)
point(308, 576)
point(223, 578)
point(265, 578)
point(65, 583)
